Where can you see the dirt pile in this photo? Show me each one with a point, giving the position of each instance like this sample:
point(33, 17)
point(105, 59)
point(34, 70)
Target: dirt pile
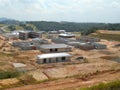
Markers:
point(9, 81)
point(38, 75)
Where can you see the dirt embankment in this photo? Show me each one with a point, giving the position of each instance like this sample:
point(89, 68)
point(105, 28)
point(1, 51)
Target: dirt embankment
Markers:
point(74, 82)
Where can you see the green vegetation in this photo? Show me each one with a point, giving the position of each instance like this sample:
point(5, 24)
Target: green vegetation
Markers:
point(2, 63)
point(20, 27)
point(84, 28)
point(28, 27)
point(115, 37)
point(115, 85)
point(13, 27)
point(8, 74)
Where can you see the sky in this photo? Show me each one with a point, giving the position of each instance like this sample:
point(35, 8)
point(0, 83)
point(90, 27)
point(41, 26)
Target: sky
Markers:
point(107, 11)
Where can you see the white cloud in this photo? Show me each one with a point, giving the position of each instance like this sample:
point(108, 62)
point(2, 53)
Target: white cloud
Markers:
point(61, 10)
point(115, 4)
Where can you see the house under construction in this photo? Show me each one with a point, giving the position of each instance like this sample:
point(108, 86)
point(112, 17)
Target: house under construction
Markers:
point(53, 58)
point(55, 48)
point(87, 39)
point(30, 45)
point(29, 34)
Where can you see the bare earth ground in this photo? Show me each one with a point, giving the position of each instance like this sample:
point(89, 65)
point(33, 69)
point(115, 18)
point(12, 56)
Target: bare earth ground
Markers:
point(96, 63)
point(73, 83)
point(108, 32)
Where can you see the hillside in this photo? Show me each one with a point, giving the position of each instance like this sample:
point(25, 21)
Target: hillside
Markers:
point(20, 27)
point(8, 28)
point(3, 19)
point(85, 28)
point(9, 21)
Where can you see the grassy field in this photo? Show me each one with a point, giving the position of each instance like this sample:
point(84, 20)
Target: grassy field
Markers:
point(115, 85)
point(114, 37)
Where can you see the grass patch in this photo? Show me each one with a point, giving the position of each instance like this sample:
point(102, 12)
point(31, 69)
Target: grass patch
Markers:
point(19, 27)
point(114, 37)
point(8, 74)
point(9, 54)
point(2, 63)
point(115, 85)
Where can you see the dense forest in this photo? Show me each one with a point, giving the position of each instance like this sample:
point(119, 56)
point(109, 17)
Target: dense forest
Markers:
point(85, 28)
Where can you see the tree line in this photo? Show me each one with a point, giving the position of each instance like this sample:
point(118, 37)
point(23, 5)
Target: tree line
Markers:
point(84, 28)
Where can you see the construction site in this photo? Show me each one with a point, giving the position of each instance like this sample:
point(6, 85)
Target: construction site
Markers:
point(61, 62)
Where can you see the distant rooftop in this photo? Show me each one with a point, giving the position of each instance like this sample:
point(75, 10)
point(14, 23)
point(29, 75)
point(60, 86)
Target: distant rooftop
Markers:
point(24, 31)
point(16, 32)
point(37, 39)
point(54, 46)
point(66, 34)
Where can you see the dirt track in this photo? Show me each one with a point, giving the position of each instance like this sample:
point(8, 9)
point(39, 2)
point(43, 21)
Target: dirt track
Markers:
point(74, 82)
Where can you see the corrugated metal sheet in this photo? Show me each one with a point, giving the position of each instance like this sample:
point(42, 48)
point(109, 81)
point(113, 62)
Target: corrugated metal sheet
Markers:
point(50, 46)
point(53, 55)
point(66, 35)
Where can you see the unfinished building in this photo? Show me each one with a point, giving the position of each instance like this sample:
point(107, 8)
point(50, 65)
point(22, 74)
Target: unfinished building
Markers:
point(88, 39)
point(40, 41)
point(29, 34)
point(90, 46)
point(53, 58)
point(30, 45)
point(24, 35)
point(63, 40)
point(60, 40)
point(33, 34)
point(74, 44)
point(11, 36)
point(86, 46)
point(25, 45)
point(55, 48)
point(99, 46)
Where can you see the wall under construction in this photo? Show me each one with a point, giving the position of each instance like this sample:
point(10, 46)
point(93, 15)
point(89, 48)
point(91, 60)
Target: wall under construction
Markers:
point(29, 34)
